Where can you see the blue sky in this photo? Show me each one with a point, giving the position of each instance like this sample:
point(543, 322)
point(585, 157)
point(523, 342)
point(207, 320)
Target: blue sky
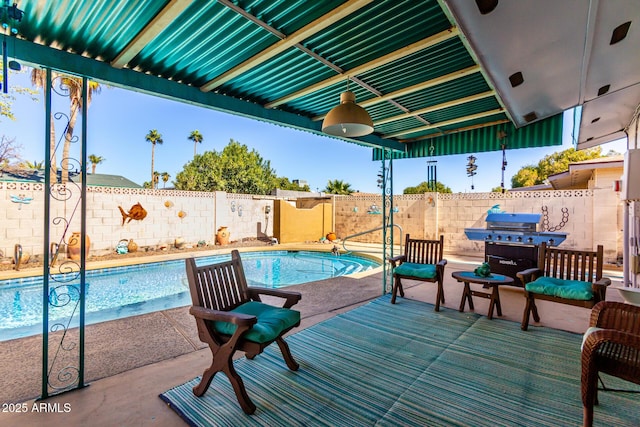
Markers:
point(119, 120)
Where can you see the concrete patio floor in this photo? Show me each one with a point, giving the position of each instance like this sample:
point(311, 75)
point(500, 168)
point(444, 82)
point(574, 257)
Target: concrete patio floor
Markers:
point(168, 340)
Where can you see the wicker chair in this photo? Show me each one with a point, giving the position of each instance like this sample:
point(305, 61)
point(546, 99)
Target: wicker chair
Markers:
point(611, 346)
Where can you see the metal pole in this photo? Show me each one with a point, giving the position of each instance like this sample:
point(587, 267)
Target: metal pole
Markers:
point(47, 219)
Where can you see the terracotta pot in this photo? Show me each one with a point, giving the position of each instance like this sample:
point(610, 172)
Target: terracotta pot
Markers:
point(331, 237)
point(132, 246)
point(73, 246)
point(222, 236)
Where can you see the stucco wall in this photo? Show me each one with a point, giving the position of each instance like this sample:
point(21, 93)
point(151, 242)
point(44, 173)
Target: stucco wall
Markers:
point(293, 224)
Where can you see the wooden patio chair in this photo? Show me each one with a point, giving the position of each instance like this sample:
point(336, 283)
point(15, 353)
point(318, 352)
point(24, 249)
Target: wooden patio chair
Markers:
point(611, 345)
point(230, 316)
point(565, 276)
point(422, 260)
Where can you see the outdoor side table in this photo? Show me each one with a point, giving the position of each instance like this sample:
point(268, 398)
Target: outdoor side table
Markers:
point(493, 281)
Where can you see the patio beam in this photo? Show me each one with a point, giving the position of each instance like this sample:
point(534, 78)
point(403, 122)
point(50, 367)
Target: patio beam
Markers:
point(400, 53)
point(286, 42)
point(170, 12)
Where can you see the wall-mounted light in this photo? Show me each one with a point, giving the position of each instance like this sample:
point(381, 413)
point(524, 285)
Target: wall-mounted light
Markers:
point(267, 209)
point(240, 210)
point(233, 206)
point(355, 209)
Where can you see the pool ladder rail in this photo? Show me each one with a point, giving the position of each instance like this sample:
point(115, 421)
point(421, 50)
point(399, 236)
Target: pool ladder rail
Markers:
point(17, 256)
point(344, 241)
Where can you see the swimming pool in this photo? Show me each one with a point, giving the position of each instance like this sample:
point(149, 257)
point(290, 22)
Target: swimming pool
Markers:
point(118, 292)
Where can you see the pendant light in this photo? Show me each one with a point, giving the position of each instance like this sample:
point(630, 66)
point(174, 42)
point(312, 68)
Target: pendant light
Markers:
point(348, 118)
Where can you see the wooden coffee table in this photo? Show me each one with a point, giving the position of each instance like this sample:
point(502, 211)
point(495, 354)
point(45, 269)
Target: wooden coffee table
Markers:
point(493, 281)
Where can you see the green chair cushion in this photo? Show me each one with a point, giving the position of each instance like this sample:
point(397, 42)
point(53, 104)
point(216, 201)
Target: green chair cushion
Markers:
point(272, 321)
point(423, 271)
point(569, 289)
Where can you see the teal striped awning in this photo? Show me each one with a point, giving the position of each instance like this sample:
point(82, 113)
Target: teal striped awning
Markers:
point(544, 133)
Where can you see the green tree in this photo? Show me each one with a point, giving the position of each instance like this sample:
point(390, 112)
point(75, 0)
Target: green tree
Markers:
point(72, 86)
point(235, 170)
point(496, 190)
point(552, 164)
point(9, 151)
point(337, 186)
point(197, 138)
point(165, 177)
point(7, 99)
point(95, 161)
point(423, 187)
point(284, 183)
point(154, 138)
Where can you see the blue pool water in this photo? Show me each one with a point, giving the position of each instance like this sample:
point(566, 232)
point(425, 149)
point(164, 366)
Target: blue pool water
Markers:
point(127, 291)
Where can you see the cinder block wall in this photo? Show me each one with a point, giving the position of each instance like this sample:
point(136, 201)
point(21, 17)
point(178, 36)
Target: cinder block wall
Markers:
point(590, 217)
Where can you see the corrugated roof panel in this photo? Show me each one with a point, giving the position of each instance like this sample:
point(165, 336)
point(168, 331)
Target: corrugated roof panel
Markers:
point(97, 28)
point(399, 125)
point(445, 92)
point(202, 45)
point(454, 126)
point(383, 109)
point(544, 133)
point(288, 16)
point(378, 29)
point(427, 64)
point(462, 110)
point(265, 81)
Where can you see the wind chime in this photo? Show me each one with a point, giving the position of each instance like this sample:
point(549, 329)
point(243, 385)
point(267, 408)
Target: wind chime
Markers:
point(432, 175)
point(471, 168)
point(9, 17)
point(502, 137)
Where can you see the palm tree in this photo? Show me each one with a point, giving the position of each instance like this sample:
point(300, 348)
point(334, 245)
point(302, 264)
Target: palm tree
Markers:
point(35, 165)
point(196, 137)
point(337, 186)
point(165, 177)
point(154, 138)
point(95, 161)
point(73, 87)
point(155, 179)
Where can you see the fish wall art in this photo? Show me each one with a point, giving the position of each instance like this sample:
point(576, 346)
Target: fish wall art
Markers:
point(136, 212)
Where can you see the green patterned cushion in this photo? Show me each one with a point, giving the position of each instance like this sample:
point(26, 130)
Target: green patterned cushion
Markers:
point(423, 271)
point(569, 289)
point(271, 321)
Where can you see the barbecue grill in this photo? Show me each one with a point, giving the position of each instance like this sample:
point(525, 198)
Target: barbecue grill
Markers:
point(512, 240)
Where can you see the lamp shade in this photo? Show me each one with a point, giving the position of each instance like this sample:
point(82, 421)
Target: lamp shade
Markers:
point(348, 118)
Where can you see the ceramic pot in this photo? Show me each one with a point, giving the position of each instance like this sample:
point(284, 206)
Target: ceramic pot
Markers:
point(222, 236)
point(73, 246)
point(331, 237)
point(132, 246)
point(179, 243)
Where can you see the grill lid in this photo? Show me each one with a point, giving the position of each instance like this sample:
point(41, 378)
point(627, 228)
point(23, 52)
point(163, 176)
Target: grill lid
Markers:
point(519, 218)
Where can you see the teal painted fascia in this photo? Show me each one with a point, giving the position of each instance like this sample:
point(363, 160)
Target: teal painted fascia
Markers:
point(37, 55)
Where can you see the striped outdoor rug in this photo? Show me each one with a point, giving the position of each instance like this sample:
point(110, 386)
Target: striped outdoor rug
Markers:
point(406, 365)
